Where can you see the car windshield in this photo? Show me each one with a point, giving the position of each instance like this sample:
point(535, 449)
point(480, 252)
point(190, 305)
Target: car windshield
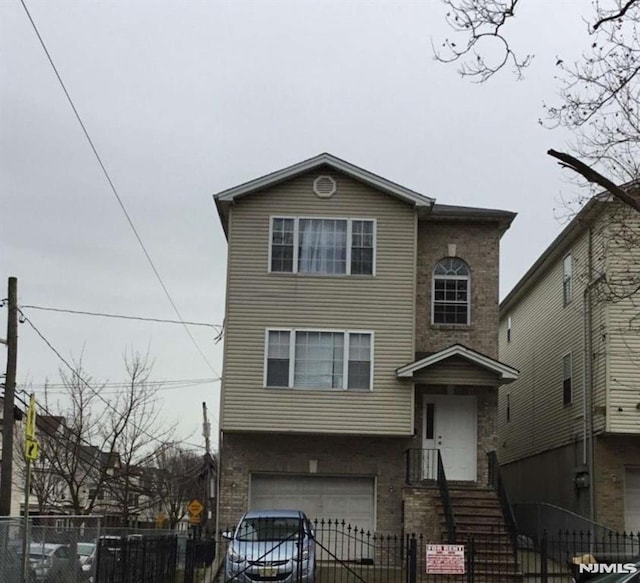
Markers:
point(262, 529)
point(85, 548)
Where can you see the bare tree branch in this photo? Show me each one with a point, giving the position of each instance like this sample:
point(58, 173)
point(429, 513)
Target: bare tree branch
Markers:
point(614, 16)
point(591, 175)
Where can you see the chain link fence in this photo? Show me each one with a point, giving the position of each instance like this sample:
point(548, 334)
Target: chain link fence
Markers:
point(80, 549)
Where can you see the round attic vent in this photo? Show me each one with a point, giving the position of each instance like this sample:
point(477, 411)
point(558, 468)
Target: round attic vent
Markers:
point(324, 186)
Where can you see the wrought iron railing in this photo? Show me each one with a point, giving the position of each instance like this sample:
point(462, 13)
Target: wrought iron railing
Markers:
point(426, 466)
point(537, 517)
point(421, 465)
point(445, 499)
point(495, 482)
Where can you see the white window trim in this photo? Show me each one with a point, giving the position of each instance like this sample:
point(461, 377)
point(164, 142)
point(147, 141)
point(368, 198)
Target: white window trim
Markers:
point(570, 355)
point(296, 221)
point(567, 298)
point(433, 295)
point(292, 355)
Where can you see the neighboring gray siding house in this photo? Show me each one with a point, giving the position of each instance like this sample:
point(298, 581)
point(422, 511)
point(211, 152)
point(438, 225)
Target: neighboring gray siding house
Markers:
point(361, 323)
point(578, 298)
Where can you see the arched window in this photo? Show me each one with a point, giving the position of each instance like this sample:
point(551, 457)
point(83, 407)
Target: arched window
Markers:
point(451, 294)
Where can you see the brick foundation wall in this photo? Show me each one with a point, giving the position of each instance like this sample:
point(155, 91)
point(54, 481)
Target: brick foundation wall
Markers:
point(611, 455)
point(478, 244)
point(421, 514)
point(382, 458)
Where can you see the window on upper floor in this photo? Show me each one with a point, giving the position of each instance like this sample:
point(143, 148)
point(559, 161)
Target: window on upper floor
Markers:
point(319, 359)
point(322, 246)
point(567, 269)
point(509, 329)
point(567, 374)
point(451, 293)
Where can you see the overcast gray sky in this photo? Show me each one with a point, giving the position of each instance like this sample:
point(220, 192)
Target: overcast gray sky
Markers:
point(184, 99)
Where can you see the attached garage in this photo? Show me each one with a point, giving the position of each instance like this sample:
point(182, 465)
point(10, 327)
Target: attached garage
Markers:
point(348, 499)
point(321, 497)
point(632, 499)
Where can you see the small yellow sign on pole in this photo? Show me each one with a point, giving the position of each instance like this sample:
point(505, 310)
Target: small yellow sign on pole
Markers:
point(30, 429)
point(195, 507)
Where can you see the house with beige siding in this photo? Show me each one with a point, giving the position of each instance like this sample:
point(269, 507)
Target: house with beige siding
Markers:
point(361, 345)
point(569, 426)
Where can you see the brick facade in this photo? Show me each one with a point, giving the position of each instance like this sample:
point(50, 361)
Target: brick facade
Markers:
point(478, 244)
point(421, 513)
point(611, 455)
point(382, 458)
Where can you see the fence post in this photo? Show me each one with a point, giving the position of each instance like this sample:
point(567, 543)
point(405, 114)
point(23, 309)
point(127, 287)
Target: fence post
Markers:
point(544, 567)
point(412, 572)
point(189, 560)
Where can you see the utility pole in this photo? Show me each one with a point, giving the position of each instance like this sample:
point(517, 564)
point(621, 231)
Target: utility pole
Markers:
point(208, 460)
point(9, 399)
point(206, 429)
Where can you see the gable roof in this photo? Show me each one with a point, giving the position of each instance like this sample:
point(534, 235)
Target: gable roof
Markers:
point(506, 373)
point(583, 219)
point(227, 197)
point(326, 159)
point(425, 205)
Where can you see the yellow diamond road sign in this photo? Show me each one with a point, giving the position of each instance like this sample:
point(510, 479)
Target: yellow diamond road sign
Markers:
point(195, 508)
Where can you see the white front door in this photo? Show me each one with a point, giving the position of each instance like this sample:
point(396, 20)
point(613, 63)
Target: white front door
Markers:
point(450, 425)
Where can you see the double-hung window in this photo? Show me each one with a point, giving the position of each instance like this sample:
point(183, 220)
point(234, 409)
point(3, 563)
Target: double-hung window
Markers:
point(451, 296)
point(322, 246)
point(319, 359)
point(567, 272)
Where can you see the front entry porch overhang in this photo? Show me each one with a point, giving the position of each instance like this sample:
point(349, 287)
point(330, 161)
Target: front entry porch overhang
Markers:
point(502, 373)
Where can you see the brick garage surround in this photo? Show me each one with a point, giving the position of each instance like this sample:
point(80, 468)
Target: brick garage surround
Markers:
point(611, 455)
point(478, 244)
point(379, 457)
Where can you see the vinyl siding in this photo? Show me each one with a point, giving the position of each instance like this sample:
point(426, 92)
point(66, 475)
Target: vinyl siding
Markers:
point(623, 319)
point(543, 331)
point(257, 300)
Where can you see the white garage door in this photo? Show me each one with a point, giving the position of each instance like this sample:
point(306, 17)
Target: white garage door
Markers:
point(322, 497)
point(632, 499)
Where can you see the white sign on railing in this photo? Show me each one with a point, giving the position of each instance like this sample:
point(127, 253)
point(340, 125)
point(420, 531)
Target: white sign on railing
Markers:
point(445, 559)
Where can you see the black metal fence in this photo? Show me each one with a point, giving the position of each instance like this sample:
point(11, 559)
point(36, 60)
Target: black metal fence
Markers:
point(341, 553)
point(136, 559)
point(199, 556)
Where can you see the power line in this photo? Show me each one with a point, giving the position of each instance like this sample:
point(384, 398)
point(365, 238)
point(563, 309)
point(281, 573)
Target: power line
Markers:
point(85, 383)
point(114, 190)
point(123, 317)
point(172, 385)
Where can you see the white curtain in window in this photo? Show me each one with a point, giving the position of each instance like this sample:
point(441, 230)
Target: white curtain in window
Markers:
point(322, 246)
point(319, 360)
